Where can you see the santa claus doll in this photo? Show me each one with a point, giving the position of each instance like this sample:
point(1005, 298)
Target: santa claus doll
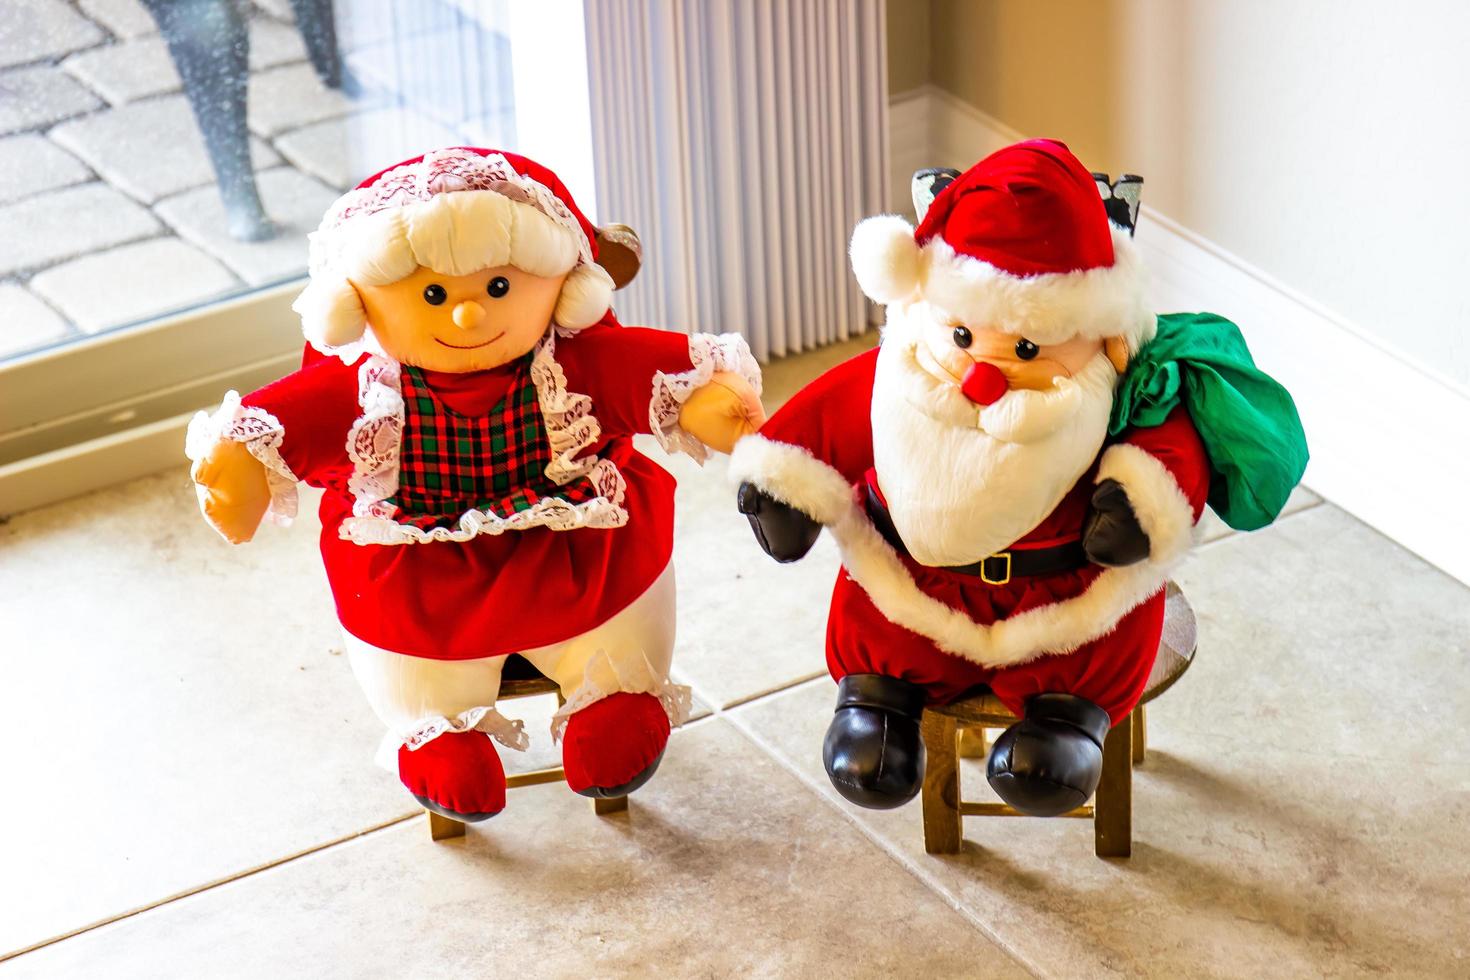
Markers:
point(468, 403)
point(1012, 475)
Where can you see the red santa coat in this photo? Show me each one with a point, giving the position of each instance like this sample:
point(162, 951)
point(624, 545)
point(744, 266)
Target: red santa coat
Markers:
point(490, 587)
point(1092, 631)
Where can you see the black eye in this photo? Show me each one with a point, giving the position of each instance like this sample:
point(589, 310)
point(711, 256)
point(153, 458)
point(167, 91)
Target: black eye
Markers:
point(1026, 350)
point(963, 337)
point(498, 287)
point(434, 294)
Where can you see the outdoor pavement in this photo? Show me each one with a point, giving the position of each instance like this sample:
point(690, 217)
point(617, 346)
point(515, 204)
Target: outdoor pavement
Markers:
point(192, 793)
point(107, 198)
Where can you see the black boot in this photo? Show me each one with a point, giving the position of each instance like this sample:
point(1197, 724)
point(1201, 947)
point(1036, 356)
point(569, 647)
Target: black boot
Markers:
point(1049, 762)
point(873, 751)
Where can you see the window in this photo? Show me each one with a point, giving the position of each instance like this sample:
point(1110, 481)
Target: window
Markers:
point(161, 165)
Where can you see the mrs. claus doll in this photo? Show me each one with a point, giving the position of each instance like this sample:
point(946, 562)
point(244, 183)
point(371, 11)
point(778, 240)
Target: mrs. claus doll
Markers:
point(1012, 475)
point(468, 402)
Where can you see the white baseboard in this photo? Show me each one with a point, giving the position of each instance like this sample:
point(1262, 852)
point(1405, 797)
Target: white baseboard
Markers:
point(1390, 441)
point(92, 465)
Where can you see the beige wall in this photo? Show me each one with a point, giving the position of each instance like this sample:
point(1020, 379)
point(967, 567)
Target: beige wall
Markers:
point(1324, 141)
point(908, 44)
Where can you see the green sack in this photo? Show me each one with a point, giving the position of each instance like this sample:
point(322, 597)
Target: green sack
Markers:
point(1247, 421)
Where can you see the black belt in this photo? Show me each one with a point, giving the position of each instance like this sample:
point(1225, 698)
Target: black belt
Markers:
point(996, 569)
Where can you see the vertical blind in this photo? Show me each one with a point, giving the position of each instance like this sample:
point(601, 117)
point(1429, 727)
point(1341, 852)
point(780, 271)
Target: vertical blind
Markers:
point(742, 141)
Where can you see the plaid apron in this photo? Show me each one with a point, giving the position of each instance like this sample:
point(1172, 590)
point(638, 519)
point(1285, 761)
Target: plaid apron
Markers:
point(450, 463)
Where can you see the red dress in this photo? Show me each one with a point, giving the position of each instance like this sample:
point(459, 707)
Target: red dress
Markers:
point(494, 584)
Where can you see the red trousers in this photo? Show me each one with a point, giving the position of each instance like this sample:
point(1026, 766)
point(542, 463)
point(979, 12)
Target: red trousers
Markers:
point(1110, 671)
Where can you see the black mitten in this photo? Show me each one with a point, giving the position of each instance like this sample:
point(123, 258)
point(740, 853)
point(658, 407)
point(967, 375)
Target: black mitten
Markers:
point(1112, 534)
point(784, 532)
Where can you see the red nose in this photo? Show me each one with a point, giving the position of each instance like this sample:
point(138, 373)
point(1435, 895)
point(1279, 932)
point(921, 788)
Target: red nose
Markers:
point(983, 383)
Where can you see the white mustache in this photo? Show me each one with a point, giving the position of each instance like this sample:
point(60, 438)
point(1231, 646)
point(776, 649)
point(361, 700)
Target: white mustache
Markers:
point(1023, 416)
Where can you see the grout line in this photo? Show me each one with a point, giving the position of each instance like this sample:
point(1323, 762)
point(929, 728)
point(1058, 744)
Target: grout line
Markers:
point(912, 867)
point(207, 886)
point(786, 686)
point(716, 712)
point(1232, 534)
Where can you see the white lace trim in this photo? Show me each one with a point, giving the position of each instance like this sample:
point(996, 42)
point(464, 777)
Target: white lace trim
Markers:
point(261, 432)
point(456, 169)
point(376, 437)
point(509, 732)
point(677, 699)
point(708, 353)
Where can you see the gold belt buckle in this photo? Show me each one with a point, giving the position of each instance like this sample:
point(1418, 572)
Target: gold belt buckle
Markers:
point(1005, 577)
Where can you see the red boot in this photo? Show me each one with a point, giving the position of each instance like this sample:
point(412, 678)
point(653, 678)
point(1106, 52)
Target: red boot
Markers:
point(458, 775)
point(612, 746)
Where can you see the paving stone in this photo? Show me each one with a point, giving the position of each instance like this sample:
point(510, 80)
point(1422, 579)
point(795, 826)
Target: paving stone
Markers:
point(366, 22)
point(291, 97)
point(34, 29)
point(35, 97)
point(60, 224)
point(128, 71)
point(124, 18)
point(273, 43)
point(293, 200)
point(25, 322)
point(31, 164)
point(280, 9)
point(138, 68)
point(150, 149)
point(343, 151)
point(133, 282)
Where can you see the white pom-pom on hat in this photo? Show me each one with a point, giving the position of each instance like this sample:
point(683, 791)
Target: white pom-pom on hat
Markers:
point(585, 297)
point(885, 258)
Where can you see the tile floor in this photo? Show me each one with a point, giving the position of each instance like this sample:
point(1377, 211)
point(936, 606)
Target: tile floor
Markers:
point(192, 793)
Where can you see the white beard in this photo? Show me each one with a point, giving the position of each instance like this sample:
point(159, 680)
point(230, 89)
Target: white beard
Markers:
point(962, 481)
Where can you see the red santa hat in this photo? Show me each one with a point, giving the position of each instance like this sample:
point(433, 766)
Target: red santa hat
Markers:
point(454, 210)
point(1019, 243)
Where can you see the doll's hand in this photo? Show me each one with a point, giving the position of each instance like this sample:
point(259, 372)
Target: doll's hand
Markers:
point(1112, 535)
point(233, 493)
point(722, 412)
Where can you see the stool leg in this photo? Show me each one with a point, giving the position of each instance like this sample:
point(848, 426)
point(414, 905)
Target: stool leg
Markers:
point(602, 808)
point(1139, 721)
point(972, 743)
point(940, 795)
point(443, 828)
point(1112, 821)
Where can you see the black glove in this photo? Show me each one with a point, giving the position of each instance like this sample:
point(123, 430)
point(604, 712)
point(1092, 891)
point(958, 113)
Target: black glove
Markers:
point(784, 532)
point(1112, 534)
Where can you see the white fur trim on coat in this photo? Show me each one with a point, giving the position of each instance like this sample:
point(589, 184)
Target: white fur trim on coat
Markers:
point(795, 477)
point(1163, 511)
point(1048, 309)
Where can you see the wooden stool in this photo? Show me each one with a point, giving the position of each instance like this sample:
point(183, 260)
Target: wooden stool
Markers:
point(520, 680)
point(957, 730)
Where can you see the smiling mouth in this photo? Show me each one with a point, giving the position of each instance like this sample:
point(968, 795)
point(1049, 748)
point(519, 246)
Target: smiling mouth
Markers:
point(470, 346)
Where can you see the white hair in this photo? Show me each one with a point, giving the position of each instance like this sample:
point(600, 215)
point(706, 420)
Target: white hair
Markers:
point(453, 234)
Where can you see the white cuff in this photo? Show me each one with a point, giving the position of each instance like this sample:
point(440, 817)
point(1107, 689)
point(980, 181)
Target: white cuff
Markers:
point(793, 476)
point(261, 433)
point(1163, 511)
